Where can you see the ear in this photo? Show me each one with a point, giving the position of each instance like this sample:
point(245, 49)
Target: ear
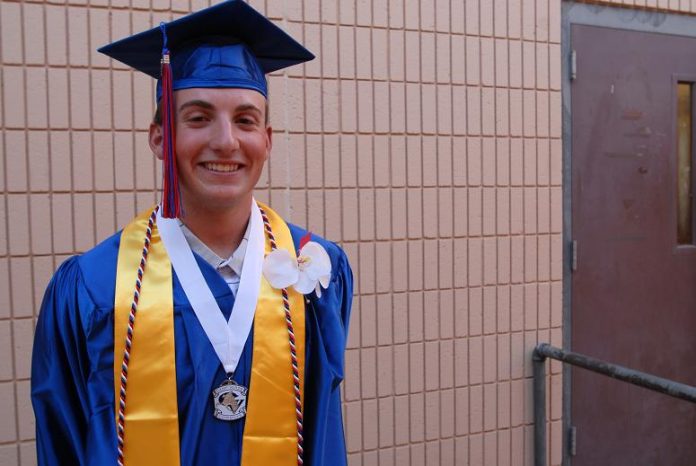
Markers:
point(269, 140)
point(156, 139)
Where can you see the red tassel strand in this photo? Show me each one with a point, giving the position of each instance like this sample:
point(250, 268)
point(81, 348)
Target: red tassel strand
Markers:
point(171, 198)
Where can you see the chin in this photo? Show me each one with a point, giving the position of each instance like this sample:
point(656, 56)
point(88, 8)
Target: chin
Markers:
point(222, 201)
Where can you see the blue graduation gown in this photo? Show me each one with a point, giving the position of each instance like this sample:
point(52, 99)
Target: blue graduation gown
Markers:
point(72, 387)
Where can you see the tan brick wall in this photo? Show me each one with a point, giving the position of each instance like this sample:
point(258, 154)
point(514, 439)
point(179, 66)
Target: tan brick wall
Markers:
point(425, 138)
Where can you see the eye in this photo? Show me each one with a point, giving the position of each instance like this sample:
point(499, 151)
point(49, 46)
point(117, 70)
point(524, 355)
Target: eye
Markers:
point(197, 117)
point(246, 121)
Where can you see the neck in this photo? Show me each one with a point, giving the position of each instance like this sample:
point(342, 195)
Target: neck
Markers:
point(220, 230)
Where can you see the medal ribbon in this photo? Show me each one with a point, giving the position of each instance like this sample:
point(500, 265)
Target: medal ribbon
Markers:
point(152, 424)
point(227, 337)
point(270, 433)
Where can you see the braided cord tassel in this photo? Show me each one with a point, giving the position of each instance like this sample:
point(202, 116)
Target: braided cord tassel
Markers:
point(121, 424)
point(171, 197)
point(293, 350)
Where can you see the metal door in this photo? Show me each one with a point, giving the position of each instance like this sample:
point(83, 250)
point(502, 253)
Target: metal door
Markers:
point(634, 290)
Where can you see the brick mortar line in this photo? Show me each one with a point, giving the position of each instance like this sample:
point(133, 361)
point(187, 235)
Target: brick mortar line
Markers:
point(509, 216)
point(172, 11)
point(308, 133)
point(421, 203)
point(111, 92)
point(452, 200)
point(294, 132)
point(496, 79)
point(360, 109)
point(13, 310)
point(87, 67)
point(452, 388)
point(68, 66)
point(357, 260)
point(357, 241)
point(480, 226)
point(446, 340)
point(49, 138)
point(18, 379)
point(84, 191)
point(18, 441)
point(467, 298)
point(426, 442)
point(392, 310)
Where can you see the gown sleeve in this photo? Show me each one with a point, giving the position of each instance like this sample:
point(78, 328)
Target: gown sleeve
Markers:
point(60, 369)
point(327, 329)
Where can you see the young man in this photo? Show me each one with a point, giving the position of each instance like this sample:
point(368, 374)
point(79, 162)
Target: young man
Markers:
point(196, 336)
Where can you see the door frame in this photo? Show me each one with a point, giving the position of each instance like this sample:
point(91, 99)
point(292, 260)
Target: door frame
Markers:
point(616, 17)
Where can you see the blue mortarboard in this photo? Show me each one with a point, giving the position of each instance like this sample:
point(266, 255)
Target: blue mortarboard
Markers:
point(228, 45)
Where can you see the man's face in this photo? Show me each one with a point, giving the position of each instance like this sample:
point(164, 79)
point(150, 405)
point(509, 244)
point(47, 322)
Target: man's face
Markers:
point(222, 143)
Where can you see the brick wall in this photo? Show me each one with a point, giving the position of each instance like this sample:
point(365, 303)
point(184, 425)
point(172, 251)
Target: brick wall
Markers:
point(425, 139)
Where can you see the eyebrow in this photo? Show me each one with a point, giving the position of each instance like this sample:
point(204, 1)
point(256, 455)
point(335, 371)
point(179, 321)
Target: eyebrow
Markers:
point(248, 107)
point(196, 103)
point(209, 106)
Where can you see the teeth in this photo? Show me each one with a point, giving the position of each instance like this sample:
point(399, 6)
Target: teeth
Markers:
point(222, 167)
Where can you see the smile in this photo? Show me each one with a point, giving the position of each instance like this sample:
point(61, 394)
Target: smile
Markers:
point(221, 167)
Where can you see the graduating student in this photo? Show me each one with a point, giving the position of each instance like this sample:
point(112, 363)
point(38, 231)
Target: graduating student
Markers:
point(208, 331)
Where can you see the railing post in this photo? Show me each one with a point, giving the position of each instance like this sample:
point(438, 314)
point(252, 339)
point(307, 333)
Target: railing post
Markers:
point(539, 408)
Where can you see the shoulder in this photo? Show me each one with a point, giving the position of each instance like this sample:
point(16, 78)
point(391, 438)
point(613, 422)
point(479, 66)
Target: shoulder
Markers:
point(106, 250)
point(336, 254)
point(90, 264)
point(78, 289)
point(97, 268)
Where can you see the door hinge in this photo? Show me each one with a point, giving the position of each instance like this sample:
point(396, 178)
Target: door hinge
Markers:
point(574, 256)
point(573, 441)
point(573, 65)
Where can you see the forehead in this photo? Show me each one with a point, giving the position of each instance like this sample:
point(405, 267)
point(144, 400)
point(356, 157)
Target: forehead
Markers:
point(222, 98)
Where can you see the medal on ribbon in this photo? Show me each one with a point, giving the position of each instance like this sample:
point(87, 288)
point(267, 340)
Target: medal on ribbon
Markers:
point(230, 400)
point(226, 337)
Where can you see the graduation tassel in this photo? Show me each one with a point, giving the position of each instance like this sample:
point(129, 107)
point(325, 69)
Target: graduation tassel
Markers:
point(171, 197)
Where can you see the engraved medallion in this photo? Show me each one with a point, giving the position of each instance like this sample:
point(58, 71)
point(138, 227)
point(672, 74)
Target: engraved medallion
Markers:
point(230, 400)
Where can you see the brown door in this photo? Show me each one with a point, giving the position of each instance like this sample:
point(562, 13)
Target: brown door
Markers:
point(634, 290)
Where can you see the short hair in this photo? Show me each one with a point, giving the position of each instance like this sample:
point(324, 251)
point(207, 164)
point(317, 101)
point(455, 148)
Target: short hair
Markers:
point(157, 117)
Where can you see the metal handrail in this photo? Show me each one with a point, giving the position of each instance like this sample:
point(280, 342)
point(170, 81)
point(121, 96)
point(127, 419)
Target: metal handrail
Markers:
point(632, 376)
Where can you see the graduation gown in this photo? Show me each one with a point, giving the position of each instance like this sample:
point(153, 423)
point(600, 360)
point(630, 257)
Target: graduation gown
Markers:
point(72, 386)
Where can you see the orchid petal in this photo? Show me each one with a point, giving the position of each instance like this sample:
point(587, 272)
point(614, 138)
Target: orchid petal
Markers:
point(320, 263)
point(324, 280)
point(317, 290)
point(305, 284)
point(280, 269)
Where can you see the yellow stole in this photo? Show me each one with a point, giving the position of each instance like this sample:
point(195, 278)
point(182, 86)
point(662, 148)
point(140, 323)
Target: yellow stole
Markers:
point(151, 422)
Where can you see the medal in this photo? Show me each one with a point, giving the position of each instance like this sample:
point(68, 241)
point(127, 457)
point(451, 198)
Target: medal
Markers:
point(230, 400)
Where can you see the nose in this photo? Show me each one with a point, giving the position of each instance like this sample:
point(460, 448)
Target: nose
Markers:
point(224, 140)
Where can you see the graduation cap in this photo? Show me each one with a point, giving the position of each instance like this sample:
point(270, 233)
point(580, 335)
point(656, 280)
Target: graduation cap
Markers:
point(228, 45)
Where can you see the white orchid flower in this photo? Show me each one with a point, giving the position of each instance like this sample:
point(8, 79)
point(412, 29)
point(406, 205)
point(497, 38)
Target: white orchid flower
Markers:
point(311, 271)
